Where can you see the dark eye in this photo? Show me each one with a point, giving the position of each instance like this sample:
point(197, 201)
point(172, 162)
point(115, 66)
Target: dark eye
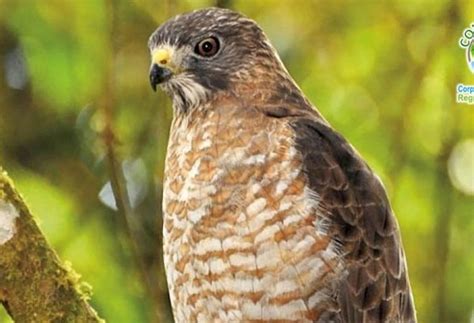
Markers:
point(207, 47)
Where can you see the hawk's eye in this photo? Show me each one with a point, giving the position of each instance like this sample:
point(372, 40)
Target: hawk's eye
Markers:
point(207, 47)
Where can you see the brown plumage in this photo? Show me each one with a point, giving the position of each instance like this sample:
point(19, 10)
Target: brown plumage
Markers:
point(269, 214)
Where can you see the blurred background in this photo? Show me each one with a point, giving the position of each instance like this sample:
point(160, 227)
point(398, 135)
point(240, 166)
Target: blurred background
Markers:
point(382, 72)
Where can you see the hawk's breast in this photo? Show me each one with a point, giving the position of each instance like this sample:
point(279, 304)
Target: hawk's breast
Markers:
point(244, 236)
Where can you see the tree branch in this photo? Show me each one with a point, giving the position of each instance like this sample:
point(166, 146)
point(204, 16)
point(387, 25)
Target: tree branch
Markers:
point(34, 284)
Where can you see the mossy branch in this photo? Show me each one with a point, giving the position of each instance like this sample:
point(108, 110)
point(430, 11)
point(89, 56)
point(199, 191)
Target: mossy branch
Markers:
point(35, 286)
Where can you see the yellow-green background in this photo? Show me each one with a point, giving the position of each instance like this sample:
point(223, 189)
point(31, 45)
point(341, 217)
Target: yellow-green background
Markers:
point(382, 72)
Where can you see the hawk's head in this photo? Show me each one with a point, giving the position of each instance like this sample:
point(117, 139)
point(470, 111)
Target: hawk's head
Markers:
point(198, 54)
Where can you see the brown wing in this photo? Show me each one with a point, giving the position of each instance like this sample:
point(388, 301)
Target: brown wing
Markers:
point(376, 288)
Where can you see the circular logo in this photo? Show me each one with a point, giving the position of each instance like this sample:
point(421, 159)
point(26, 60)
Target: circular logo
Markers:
point(470, 55)
point(467, 42)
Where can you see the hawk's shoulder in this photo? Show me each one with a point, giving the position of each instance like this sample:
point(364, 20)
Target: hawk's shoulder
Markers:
point(361, 220)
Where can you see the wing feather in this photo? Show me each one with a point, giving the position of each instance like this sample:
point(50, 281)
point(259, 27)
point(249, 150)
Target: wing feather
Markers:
point(376, 287)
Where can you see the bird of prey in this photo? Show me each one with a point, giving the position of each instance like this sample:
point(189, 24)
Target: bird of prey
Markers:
point(269, 213)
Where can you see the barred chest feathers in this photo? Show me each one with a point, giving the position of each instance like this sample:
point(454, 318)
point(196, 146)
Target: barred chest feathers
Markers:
point(244, 236)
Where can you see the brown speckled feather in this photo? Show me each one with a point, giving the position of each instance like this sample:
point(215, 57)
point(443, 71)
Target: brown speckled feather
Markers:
point(376, 288)
point(269, 214)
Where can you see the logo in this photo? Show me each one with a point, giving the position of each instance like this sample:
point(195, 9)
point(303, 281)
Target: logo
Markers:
point(467, 43)
point(465, 93)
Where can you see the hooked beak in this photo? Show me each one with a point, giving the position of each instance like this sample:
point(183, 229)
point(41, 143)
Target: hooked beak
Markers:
point(162, 67)
point(158, 75)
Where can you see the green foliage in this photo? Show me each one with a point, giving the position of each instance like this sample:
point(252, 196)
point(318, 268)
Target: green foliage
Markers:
point(62, 52)
point(382, 73)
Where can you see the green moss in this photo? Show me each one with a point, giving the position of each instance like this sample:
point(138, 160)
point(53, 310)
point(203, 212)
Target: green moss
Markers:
point(35, 284)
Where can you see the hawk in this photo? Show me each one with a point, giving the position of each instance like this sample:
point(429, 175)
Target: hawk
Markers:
point(268, 213)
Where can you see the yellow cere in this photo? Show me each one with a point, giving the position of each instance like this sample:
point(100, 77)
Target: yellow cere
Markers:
point(161, 56)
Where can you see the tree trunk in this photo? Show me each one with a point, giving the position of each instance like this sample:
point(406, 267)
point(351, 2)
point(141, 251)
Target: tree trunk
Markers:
point(35, 286)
